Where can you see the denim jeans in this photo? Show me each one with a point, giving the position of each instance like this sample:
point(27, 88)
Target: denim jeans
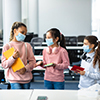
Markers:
point(20, 86)
point(53, 85)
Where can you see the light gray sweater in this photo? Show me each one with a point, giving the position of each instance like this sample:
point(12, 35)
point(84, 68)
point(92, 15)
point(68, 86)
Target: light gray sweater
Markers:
point(92, 74)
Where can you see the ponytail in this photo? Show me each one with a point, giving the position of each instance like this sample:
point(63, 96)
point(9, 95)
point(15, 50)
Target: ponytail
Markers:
point(62, 41)
point(11, 35)
point(97, 55)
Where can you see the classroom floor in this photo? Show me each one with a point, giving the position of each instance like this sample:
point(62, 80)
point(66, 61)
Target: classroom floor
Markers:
point(38, 83)
point(70, 83)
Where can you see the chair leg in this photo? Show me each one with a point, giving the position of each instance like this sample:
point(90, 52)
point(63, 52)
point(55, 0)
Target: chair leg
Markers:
point(9, 86)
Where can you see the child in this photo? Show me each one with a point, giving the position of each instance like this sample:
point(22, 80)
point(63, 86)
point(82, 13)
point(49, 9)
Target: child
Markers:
point(21, 78)
point(55, 53)
point(91, 62)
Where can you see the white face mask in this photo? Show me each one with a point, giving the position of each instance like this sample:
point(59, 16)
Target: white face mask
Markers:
point(20, 37)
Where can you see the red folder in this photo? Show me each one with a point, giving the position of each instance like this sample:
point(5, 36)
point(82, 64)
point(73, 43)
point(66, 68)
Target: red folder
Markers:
point(76, 68)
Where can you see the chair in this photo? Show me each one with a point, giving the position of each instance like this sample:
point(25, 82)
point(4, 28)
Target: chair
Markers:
point(37, 41)
point(29, 36)
point(67, 40)
point(3, 82)
point(71, 40)
point(80, 38)
point(1, 34)
point(74, 57)
point(35, 35)
point(44, 37)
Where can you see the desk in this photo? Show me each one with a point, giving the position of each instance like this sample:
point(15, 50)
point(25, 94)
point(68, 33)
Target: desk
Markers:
point(33, 94)
point(1, 47)
point(15, 94)
point(59, 95)
point(38, 69)
point(68, 47)
point(1, 67)
point(38, 57)
point(44, 43)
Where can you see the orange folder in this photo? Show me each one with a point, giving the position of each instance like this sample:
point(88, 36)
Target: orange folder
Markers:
point(18, 64)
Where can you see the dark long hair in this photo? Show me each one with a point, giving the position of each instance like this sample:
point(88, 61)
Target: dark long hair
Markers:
point(94, 40)
point(15, 25)
point(56, 33)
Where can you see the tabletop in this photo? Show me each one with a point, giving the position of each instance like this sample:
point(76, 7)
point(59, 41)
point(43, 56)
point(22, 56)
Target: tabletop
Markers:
point(15, 94)
point(59, 95)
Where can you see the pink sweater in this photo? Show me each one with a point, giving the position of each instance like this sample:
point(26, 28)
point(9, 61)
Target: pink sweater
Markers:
point(61, 60)
point(15, 77)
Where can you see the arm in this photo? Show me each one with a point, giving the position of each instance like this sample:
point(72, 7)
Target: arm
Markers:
point(30, 58)
point(44, 61)
point(41, 63)
point(6, 63)
point(65, 61)
point(93, 75)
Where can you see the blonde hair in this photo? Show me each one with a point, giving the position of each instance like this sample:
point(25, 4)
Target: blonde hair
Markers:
point(15, 25)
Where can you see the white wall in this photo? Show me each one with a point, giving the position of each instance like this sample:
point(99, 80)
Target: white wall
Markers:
point(33, 16)
point(72, 17)
point(1, 26)
point(24, 11)
point(96, 18)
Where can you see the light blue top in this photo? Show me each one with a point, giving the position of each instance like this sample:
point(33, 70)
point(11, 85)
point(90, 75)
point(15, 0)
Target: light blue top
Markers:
point(92, 75)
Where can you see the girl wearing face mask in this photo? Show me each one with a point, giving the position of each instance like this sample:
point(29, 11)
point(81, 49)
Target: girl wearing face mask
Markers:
point(21, 78)
point(91, 62)
point(55, 53)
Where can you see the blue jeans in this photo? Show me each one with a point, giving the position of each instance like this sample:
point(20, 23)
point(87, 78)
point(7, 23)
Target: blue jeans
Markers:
point(20, 86)
point(53, 85)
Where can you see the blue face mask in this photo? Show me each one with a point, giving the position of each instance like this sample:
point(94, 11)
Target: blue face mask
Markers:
point(49, 42)
point(86, 48)
point(20, 37)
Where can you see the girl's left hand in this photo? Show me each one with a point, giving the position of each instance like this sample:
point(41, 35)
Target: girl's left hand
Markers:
point(22, 71)
point(54, 65)
point(81, 72)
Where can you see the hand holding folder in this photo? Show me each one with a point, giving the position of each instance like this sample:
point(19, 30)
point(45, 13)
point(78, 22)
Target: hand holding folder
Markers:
point(18, 64)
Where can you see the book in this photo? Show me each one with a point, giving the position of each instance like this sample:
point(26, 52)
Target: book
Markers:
point(47, 65)
point(76, 68)
point(18, 64)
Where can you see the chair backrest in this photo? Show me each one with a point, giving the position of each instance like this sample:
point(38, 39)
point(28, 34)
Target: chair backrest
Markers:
point(37, 41)
point(29, 36)
point(1, 34)
point(44, 37)
point(81, 38)
point(71, 40)
point(35, 35)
